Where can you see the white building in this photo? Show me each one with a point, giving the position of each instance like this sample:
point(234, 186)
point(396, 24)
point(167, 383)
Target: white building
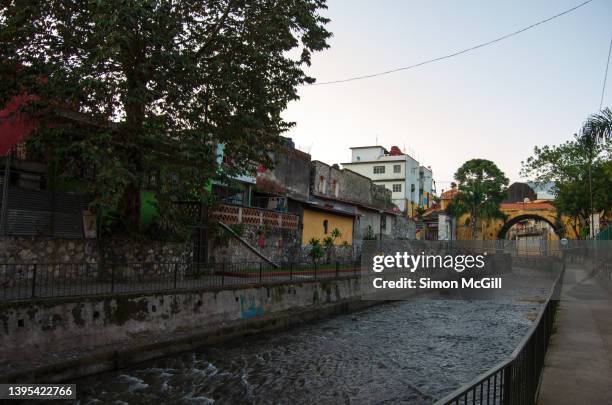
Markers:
point(411, 184)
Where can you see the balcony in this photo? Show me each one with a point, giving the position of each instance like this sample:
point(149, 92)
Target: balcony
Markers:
point(238, 214)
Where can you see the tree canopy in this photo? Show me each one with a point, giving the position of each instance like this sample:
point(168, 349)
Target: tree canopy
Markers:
point(568, 166)
point(161, 82)
point(482, 187)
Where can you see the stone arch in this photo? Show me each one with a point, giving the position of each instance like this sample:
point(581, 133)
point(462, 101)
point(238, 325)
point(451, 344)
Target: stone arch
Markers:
point(514, 220)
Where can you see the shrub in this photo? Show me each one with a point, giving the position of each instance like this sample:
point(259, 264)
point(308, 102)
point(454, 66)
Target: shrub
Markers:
point(316, 250)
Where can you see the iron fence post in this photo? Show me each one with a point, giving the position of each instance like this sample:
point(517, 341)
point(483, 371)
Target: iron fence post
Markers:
point(112, 278)
point(175, 274)
point(290, 271)
point(315, 270)
point(223, 273)
point(337, 268)
point(260, 268)
point(506, 392)
point(34, 281)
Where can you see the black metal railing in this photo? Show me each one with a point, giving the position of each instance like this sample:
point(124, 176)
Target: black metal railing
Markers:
point(47, 280)
point(514, 381)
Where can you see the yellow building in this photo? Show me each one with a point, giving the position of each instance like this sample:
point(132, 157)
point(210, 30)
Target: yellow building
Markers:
point(319, 224)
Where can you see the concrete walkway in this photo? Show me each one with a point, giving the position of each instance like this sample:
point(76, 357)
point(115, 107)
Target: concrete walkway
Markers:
point(578, 366)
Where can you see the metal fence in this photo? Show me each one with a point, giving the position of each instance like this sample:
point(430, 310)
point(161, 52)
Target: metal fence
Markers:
point(514, 381)
point(42, 213)
point(605, 234)
point(45, 280)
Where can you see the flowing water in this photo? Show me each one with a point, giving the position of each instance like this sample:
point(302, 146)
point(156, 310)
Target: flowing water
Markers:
point(401, 352)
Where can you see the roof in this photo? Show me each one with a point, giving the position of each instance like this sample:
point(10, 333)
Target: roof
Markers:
point(398, 158)
point(432, 212)
point(368, 147)
point(317, 206)
point(355, 203)
point(449, 194)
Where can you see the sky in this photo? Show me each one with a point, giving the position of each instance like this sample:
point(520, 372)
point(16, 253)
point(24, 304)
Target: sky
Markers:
point(495, 103)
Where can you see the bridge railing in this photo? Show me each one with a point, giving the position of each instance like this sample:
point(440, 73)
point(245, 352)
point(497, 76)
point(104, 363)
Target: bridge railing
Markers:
point(514, 381)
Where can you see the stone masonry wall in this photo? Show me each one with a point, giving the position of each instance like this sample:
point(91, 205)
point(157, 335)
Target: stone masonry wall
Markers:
point(55, 250)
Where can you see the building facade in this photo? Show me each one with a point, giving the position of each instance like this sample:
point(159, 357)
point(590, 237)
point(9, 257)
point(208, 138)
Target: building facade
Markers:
point(375, 214)
point(410, 183)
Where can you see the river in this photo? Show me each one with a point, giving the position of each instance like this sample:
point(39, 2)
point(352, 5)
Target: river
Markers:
point(410, 352)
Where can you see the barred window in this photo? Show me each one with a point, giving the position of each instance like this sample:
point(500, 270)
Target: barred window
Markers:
point(379, 169)
point(397, 188)
point(397, 168)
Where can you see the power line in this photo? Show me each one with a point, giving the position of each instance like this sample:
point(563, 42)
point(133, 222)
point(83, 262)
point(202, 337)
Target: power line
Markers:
point(452, 54)
point(603, 90)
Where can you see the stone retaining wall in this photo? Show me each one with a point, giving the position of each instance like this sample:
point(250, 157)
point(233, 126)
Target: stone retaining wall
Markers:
point(57, 250)
point(65, 338)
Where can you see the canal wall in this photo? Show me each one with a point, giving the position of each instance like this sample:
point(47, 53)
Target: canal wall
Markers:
point(48, 340)
point(61, 339)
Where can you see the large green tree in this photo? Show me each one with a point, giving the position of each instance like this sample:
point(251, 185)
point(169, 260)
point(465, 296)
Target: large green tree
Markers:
point(482, 187)
point(160, 83)
point(568, 165)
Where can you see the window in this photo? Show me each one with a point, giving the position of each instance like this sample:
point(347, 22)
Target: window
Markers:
point(150, 181)
point(397, 188)
point(397, 168)
point(322, 184)
point(21, 152)
point(325, 226)
point(379, 169)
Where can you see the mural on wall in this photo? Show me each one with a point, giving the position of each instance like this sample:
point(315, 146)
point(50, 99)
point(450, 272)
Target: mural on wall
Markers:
point(249, 308)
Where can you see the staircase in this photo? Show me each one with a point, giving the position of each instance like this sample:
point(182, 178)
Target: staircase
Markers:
point(252, 248)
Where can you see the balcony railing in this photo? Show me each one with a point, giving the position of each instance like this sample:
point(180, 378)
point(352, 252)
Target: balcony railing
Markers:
point(237, 214)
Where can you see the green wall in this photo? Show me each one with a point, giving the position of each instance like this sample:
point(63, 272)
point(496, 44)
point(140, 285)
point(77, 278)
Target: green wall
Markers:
point(148, 210)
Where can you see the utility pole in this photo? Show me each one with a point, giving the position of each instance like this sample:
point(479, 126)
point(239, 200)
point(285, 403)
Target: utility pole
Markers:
point(592, 227)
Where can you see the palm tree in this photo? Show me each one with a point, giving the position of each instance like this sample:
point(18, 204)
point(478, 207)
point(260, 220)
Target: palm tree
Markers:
point(597, 128)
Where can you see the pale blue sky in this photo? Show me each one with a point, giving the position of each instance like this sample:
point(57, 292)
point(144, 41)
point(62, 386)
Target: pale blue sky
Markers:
point(495, 103)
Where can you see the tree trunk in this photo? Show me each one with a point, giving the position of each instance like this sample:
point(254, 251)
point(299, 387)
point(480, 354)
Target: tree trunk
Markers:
point(129, 205)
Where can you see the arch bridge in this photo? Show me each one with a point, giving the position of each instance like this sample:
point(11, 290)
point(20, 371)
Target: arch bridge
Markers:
point(534, 210)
